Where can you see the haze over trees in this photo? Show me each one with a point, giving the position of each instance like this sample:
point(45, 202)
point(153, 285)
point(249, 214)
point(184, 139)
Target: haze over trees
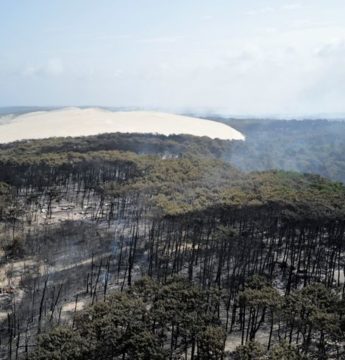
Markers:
point(173, 185)
point(308, 146)
point(152, 247)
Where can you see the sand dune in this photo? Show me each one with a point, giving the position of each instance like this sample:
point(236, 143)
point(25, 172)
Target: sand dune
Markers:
point(91, 121)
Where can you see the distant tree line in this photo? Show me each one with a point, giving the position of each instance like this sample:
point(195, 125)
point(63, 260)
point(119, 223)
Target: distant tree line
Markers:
point(307, 146)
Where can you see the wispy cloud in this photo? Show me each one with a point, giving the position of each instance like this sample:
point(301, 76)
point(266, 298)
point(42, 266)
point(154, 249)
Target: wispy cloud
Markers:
point(111, 37)
point(262, 10)
point(53, 67)
point(161, 40)
point(273, 9)
point(250, 56)
point(332, 49)
point(292, 6)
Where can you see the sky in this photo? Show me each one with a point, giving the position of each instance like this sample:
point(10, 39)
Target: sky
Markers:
point(234, 57)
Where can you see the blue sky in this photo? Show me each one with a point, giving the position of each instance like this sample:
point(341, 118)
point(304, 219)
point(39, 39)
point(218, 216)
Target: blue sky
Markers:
point(236, 57)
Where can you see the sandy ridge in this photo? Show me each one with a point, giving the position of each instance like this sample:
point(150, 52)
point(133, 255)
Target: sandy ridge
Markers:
point(93, 121)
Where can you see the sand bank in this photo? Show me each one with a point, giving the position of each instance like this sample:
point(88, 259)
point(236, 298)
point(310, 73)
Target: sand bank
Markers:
point(92, 121)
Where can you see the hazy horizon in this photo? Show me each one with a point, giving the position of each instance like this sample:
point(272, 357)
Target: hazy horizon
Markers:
point(268, 59)
point(21, 109)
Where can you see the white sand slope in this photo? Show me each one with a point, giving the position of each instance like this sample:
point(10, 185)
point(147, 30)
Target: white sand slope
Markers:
point(91, 121)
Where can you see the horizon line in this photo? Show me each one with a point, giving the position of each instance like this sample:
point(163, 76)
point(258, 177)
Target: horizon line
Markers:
point(201, 111)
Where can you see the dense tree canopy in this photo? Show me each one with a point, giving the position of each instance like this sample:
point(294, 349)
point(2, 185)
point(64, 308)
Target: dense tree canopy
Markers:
point(138, 323)
point(217, 255)
point(165, 321)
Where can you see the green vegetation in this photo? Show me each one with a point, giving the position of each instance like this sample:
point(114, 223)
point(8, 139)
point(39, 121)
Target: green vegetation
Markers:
point(137, 323)
point(255, 351)
point(152, 320)
point(174, 254)
point(175, 186)
point(172, 145)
